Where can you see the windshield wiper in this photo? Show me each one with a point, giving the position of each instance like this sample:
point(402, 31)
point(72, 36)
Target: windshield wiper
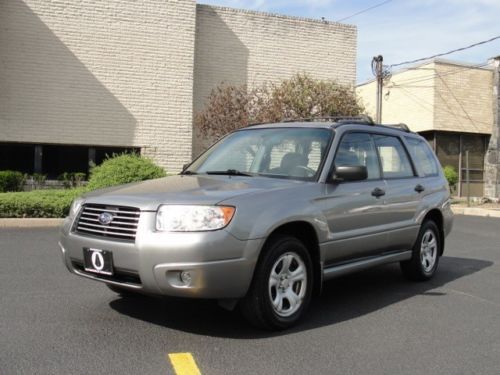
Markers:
point(230, 172)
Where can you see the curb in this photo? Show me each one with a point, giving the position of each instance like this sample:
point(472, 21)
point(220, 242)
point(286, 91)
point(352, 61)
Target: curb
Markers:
point(30, 222)
point(475, 211)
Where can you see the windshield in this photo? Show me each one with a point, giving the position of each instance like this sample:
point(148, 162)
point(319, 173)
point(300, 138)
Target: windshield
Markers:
point(295, 153)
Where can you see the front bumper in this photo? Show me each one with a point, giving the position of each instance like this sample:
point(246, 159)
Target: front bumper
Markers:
point(221, 266)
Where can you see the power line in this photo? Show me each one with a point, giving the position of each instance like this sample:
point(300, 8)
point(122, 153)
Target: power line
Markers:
point(435, 75)
point(364, 10)
point(446, 53)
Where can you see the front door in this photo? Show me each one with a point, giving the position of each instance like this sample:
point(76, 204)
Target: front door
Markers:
point(354, 209)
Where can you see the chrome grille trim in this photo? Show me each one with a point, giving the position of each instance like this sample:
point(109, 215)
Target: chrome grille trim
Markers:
point(123, 226)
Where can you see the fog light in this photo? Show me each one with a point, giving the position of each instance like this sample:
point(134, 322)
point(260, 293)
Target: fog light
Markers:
point(186, 277)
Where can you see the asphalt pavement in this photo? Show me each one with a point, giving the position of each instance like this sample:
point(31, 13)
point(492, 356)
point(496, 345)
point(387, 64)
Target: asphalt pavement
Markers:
point(374, 322)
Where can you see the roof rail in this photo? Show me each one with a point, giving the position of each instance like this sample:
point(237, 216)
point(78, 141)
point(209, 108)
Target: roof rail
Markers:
point(399, 126)
point(362, 119)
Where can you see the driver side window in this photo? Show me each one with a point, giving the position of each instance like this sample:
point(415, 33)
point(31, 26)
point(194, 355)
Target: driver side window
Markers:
point(358, 149)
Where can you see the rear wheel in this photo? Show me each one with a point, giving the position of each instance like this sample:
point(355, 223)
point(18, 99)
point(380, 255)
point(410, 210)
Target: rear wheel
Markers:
point(425, 258)
point(282, 285)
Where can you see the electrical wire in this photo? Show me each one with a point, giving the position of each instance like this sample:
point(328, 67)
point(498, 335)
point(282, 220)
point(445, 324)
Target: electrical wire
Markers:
point(445, 53)
point(434, 75)
point(364, 10)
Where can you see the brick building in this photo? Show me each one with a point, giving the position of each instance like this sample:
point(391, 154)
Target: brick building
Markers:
point(451, 105)
point(79, 79)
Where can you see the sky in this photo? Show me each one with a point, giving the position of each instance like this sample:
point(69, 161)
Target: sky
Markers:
point(400, 30)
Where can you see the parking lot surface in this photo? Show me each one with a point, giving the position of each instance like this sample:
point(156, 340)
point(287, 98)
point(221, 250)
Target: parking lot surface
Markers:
point(374, 322)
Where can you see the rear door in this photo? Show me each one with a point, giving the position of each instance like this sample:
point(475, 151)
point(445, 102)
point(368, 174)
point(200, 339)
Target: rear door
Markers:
point(402, 196)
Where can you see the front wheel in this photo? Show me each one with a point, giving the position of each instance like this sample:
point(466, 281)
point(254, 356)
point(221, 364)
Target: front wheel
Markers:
point(425, 258)
point(282, 285)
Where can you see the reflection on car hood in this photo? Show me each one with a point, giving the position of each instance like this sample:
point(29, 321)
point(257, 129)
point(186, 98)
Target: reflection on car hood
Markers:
point(185, 189)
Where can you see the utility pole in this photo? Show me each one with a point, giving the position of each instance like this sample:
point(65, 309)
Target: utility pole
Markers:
point(492, 159)
point(377, 69)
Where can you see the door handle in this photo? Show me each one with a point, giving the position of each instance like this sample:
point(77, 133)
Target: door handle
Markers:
point(419, 188)
point(378, 192)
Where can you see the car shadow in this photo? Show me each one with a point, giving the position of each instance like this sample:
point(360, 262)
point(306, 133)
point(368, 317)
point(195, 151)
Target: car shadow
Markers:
point(341, 300)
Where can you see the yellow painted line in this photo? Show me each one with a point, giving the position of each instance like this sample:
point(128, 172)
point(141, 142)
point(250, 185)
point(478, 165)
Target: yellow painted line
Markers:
point(184, 364)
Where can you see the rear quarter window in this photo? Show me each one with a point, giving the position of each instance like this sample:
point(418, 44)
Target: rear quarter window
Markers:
point(423, 156)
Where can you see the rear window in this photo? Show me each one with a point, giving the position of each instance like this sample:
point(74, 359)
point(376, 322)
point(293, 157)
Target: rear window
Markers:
point(423, 156)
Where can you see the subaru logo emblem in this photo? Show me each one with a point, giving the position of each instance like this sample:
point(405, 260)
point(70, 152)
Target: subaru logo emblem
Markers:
point(105, 218)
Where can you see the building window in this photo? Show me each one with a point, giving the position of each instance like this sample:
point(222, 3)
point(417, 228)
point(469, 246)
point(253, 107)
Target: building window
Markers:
point(53, 160)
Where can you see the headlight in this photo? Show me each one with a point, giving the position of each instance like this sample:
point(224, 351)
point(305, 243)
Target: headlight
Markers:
point(177, 218)
point(75, 206)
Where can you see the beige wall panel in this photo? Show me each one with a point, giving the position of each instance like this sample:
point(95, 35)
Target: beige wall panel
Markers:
point(238, 47)
point(93, 72)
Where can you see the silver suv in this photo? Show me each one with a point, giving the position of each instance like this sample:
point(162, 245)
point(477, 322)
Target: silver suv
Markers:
point(267, 214)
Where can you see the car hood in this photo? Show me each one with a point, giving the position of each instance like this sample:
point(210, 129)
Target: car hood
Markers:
point(185, 189)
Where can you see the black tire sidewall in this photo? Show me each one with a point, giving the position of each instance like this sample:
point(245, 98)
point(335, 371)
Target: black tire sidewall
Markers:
point(278, 247)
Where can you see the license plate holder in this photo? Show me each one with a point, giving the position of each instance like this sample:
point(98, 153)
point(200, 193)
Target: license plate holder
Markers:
point(98, 261)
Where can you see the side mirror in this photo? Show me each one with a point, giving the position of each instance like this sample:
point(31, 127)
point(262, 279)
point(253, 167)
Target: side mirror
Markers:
point(184, 167)
point(350, 173)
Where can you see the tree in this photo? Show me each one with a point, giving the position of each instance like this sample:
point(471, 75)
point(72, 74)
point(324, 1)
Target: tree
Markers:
point(232, 107)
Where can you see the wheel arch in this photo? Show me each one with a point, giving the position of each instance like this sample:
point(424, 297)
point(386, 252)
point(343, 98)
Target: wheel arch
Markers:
point(304, 232)
point(437, 217)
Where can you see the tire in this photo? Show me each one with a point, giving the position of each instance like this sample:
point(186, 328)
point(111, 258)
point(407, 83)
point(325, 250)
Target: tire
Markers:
point(277, 278)
point(426, 252)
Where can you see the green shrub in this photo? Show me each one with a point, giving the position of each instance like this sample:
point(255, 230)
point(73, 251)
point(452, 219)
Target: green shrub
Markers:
point(122, 169)
point(451, 175)
point(11, 181)
point(38, 203)
point(39, 179)
point(72, 179)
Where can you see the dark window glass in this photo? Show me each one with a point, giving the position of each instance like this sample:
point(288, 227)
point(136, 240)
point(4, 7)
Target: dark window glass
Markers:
point(423, 156)
point(395, 162)
point(59, 159)
point(17, 157)
point(358, 149)
point(448, 149)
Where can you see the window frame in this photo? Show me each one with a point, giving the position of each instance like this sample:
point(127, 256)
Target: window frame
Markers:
point(370, 134)
point(406, 151)
point(434, 156)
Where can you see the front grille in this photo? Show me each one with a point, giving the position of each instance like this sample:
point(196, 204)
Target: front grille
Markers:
point(123, 225)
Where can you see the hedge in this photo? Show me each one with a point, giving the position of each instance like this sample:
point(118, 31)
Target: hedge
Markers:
point(11, 181)
point(38, 203)
point(117, 170)
point(122, 169)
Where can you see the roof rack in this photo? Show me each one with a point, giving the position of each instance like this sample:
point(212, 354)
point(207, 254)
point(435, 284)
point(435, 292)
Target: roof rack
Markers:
point(399, 126)
point(363, 119)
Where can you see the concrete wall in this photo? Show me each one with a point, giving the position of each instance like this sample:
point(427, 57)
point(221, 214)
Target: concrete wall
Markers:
point(92, 72)
point(436, 96)
point(463, 99)
point(403, 100)
point(245, 47)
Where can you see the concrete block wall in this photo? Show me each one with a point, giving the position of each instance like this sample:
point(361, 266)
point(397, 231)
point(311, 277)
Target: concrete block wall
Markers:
point(463, 99)
point(246, 47)
point(405, 98)
point(90, 72)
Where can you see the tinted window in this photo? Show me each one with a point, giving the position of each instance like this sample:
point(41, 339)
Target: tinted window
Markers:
point(395, 162)
point(423, 156)
point(358, 149)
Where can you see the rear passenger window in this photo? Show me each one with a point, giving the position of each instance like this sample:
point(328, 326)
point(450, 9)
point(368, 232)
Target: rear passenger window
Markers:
point(358, 149)
point(394, 159)
point(423, 156)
